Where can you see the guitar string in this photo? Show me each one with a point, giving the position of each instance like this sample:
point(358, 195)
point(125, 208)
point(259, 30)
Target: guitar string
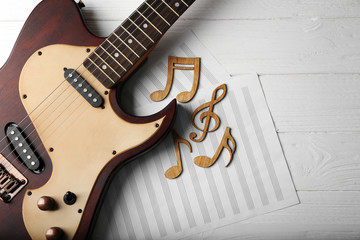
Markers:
point(31, 142)
point(143, 21)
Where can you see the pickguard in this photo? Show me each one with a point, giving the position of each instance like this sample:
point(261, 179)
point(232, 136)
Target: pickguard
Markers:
point(83, 139)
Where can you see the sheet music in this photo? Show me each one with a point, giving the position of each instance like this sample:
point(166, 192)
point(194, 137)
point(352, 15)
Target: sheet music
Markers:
point(143, 204)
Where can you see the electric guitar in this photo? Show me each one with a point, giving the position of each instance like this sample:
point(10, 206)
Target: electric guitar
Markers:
point(63, 130)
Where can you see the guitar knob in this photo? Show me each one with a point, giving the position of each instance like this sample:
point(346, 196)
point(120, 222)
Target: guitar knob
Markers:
point(54, 233)
point(46, 203)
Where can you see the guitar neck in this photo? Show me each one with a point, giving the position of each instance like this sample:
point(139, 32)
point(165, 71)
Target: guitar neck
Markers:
point(133, 40)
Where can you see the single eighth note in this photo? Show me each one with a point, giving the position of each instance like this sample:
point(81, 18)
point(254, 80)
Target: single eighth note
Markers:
point(205, 162)
point(175, 171)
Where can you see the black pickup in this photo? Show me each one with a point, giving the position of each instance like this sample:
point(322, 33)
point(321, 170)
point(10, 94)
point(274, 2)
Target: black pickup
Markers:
point(23, 148)
point(84, 88)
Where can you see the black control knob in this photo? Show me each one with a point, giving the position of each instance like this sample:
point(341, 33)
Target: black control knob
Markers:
point(69, 198)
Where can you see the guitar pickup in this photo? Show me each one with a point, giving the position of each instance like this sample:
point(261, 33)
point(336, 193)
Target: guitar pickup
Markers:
point(23, 148)
point(84, 88)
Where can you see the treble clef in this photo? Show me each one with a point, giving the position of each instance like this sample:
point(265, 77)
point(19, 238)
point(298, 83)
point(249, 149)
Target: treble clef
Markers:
point(208, 114)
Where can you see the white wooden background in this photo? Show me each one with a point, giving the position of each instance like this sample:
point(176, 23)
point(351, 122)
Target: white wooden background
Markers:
point(308, 56)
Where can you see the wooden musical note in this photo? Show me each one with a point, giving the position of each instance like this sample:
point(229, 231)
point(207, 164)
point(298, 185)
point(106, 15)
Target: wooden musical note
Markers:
point(172, 65)
point(205, 162)
point(208, 114)
point(175, 171)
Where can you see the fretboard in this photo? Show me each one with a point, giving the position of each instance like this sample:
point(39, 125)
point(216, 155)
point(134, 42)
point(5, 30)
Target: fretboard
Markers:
point(127, 46)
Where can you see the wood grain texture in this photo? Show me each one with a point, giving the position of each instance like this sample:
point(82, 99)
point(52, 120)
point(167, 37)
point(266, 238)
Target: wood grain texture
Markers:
point(205, 162)
point(206, 9)
point(290, 46)
point(308, 55)
point(276, 46)
point(41, 34)
point(44, 28)
point(321, 215)
point(314, 103)
point(207, 115)
point(176, 170)
point(327, 161)
point(176, 63)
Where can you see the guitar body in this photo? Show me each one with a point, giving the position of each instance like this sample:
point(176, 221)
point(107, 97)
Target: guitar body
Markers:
point(82, 145)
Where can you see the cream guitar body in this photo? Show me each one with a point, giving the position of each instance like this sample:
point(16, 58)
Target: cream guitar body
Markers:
point(83, 139)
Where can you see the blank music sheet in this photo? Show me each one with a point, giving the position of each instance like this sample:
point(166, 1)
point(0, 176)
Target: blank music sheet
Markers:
point(143, 204)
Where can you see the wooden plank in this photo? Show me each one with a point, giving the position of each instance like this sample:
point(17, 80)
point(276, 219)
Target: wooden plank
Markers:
point(210, 9)
point(313, 103)
point(323, 161)
point(321, 215)
point(272, 46)
point(263, 46)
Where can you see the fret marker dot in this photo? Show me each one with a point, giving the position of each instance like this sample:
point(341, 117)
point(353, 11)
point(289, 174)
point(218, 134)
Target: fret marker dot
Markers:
point(116, 55)
point(177, 4)
point(104, 67)
point(130, 41)
point(145, 25)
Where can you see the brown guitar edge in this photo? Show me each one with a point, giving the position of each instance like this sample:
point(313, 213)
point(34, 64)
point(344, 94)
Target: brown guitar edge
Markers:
point(49, 23)
point(103, 181)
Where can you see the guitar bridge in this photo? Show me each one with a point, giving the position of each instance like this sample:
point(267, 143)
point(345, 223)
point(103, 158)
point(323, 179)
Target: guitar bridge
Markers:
point(11, 180)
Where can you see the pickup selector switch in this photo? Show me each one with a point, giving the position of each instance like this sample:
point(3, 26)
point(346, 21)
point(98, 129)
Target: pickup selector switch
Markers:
point(69, 198)
point(46, 203)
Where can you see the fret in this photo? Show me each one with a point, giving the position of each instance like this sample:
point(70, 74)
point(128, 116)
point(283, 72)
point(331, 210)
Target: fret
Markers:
point(141, 40)
point(126, 44)
point(141, 30)
point(145, 26)
point(170, 8)
point(118, 51)
point(185, 3)
point(133, 39)
point(103, 65)
point(113, 58)
point(152, 17)
point(149, 22)
point(100, 62)
point(163, 10)
point(106, 64)
point(177, 6)
point(158, 14)
point(188, 2)
point(101, 70)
